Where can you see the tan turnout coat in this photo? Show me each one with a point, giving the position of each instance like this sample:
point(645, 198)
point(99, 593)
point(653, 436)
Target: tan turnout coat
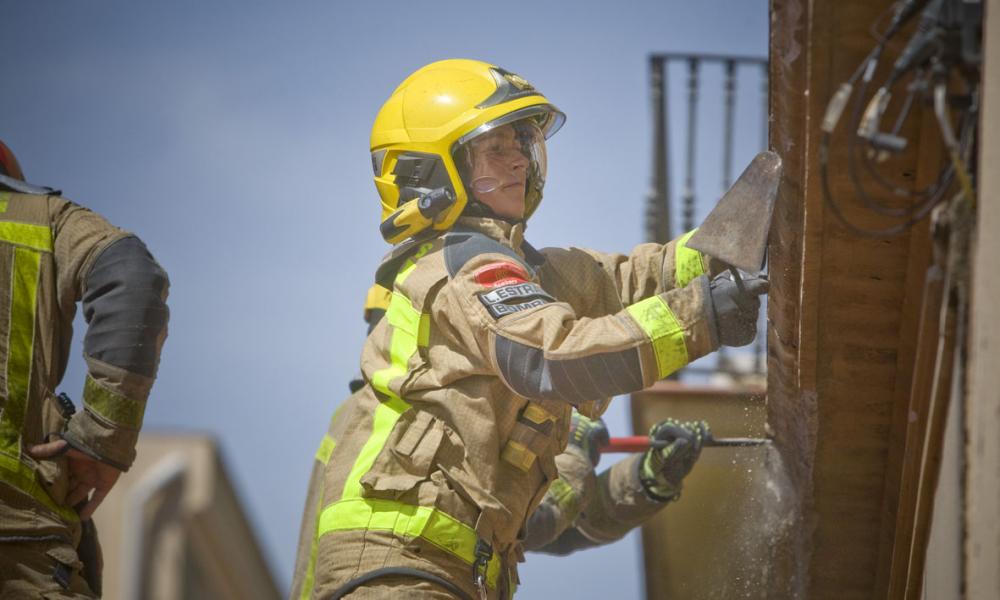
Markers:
point(485, 348)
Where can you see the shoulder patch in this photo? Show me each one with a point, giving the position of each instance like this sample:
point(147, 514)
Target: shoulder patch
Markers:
point(500, 273)
point(462, 246)
point(509, 299)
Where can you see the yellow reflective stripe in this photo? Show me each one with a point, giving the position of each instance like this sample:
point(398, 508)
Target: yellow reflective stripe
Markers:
point(36, 237)
point(424, 331)
point(384, 419)
point(665, 333)
point(4, 200)
point(405, 321)
point(325, 449)
point(688, 263)
point(20, 341)
point(15, 473)
point(410, 328)
point(310, 579)
point(412, 262)
point(405, 520)
point(20, 344)
point(111, 406)
point(322, 455)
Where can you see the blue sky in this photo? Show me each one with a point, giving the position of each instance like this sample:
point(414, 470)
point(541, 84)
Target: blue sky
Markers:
point(233, 138)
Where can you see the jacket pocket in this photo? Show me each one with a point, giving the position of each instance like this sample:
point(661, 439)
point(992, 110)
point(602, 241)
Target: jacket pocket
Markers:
point(407, 457)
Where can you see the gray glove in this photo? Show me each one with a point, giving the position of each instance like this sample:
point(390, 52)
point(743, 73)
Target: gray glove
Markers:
point(736, 311)
point(588, 435)
point(663, 469)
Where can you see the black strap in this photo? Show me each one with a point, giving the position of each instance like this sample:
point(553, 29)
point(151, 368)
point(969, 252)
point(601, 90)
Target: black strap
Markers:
point(357, 582)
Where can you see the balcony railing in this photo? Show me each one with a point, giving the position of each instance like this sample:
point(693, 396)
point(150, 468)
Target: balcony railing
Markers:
point(723, 124)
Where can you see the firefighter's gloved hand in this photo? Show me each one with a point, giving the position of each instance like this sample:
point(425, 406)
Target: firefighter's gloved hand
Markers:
point(588, 435)
point(736, 311)
point(662, 470)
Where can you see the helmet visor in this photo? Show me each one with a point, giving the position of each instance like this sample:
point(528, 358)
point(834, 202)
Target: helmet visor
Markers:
point(503, 157)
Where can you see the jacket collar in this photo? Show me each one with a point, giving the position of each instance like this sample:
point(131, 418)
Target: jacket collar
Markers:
point(510, 234)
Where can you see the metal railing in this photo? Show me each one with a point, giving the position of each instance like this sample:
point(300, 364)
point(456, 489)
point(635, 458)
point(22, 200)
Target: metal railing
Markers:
point(737, 77)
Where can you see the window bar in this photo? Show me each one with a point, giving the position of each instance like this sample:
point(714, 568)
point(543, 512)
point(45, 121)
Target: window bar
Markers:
point(658, 197)
point(687, 199)
point(760, 347)
point(729, 109)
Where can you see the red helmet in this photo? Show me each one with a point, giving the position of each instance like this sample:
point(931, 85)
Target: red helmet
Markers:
point(8, 163)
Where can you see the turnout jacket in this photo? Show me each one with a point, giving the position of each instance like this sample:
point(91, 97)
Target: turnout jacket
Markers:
point(53, 254)
point(485, 348)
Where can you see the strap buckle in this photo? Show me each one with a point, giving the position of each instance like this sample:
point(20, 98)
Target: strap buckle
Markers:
point(483, 552)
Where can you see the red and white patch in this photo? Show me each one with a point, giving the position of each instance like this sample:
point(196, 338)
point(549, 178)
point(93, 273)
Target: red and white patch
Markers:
point(500, 273)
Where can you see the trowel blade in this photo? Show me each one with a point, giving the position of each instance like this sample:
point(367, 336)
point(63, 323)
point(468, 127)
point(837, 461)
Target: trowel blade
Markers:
point(735, 232)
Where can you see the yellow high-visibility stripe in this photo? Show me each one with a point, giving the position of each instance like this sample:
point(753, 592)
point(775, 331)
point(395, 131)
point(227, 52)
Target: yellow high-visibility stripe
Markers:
point(36, 237)
point(410, 330)
point(20, 346)
point(688, 263)
point(112, 406)
point(20, 341)
point(15, 473)
point(406, 520)
point(665, 333)
point(323, 453)
point(310, 579)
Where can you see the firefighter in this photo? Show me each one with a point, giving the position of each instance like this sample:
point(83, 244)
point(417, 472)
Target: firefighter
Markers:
point(57, 463)
point(487, 344)
point(580, 508)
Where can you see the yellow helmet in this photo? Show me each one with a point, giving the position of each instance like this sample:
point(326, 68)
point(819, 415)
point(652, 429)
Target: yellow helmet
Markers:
point(427, 120)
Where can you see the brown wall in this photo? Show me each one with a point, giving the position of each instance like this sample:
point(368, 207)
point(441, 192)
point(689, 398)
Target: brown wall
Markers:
point(844, 312)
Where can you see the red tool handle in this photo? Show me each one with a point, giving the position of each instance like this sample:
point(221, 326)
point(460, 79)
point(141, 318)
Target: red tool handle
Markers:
point(641, 443)
point(635, 443)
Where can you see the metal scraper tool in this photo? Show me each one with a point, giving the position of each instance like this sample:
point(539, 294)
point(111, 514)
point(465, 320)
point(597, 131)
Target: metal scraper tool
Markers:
point(735, 232)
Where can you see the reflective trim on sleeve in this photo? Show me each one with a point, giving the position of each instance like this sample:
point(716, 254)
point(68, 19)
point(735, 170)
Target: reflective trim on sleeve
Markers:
point(688, 263)
point(665, 333)
point(112, 407)
point(407, 521)
point(325, 449)
point(36, 237)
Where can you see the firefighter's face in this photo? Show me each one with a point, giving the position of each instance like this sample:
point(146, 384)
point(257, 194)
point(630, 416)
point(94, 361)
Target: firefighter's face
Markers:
point(500, 171)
